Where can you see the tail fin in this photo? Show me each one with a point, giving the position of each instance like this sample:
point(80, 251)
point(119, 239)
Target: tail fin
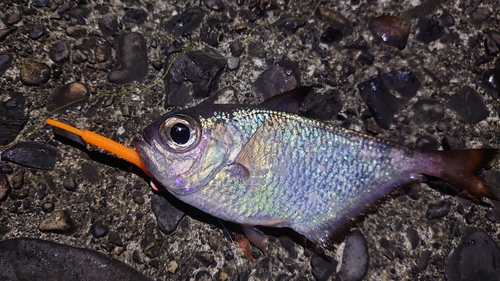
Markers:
point(461, 168)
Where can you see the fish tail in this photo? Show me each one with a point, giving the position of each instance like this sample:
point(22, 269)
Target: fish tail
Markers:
point(461, 168)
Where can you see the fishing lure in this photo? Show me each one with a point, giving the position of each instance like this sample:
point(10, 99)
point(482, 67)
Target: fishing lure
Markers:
point(267, 165)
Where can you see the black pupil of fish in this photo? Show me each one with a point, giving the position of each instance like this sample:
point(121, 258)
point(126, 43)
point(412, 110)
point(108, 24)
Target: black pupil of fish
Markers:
point(180, 133)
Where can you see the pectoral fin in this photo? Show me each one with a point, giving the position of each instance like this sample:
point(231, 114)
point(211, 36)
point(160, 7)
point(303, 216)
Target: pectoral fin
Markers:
point(256, 237)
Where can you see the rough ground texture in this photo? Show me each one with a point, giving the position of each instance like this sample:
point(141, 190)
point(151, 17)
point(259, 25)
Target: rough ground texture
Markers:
point(419, 73)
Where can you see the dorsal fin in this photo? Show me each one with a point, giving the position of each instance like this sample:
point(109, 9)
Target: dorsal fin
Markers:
point(288, 101)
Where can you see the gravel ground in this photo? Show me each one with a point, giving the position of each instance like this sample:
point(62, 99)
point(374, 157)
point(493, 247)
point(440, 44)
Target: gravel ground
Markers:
point(419, 73)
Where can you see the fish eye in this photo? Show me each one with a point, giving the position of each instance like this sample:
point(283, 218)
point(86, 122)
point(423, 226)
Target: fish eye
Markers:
point(180, 133)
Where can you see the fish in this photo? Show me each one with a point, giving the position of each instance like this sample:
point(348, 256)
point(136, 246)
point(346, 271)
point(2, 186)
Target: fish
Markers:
point(267, 165)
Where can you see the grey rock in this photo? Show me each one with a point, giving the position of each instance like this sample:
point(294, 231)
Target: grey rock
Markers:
point(58, 221)
point(59, 52)
point(469, 105)
point(34, 73)
point(167, 216)
point(5, 63)
point(32, 154)
point(133, 55)
point(12, 117)
point(281, 77)
point(438, 210)
point(355, 258)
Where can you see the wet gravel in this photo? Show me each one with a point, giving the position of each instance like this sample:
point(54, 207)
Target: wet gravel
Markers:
point(419, 73)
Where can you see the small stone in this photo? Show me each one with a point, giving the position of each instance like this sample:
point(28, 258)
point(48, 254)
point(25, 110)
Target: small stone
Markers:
point(446, 19)
point(108, 26)
point(90, 173)
point(438, 210)
point(203, 275)
point(427, 111)
point(59, 52)
point(216, 5)
point(35, 31)
point(4, 186)
point(205, 258)
point(34, 73)
point(172, 266)
point(167, 216)
point(74, 94)
point(102, 52)
point(427, 142)
point(76, 31)
point(48, 207)
point(5, 63)
point(31, 154)
point(480, 14)
point(135, 16)
point(354, 258)
point(98, 229)
point(58, 222)
point(423, 260)
point(493, 216)
point(281, 77)
point(323, 268)
point(392, 30)
point(14, 18)
point(18, 180)
point(13, 117)
point(233, 63)
point(365, 58)
point(491, 80)
point(413, 237)
point(133, 55)
point(6, 169)
point(331, 35)
point(39, 3)
point(429, 30)
point(115, 239)
point(186, 22)
point(69, 184)
point(138, 198)
point(469, 105)
point(323, 106)
point(6, 32)
point(491, 46)
point(477, 257)
point(470, 217)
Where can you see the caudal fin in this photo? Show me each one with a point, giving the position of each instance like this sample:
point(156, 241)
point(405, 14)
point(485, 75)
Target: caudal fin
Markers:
point(461, 168)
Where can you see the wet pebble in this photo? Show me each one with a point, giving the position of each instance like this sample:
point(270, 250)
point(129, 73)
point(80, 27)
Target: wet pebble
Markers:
point(76, 31)
point(281, 77)
point(423, 260)
point(74, 94)
point(32, 154)
point(429, 30)
point(133, 55)
point(491, 46)
point(186, 22)
point(34, 73)
point(115, 239)
point(58, 221)
point(469, 105)
point(331, 35)
point(167, 216)
point(4, 186)
point(446, 19)
point(427, 111)
point(322, 268)
point(491, 82)
point(354, 258)
point(413, 237)
point(108, 26)
point(427, 142)
point(323, 106)
point(138, 198)
point(205, 258)
point(233, 63)
point(477, 257)
point(493, 215)
point(102, 52)
point(5, 63)
point(48, 207)
point(479, 15)
point(216, 5)
point(199, 68)
point(59, 52)
point(99, 229)
point(135, 16)
point(12, 117)
point(30, 259)
point(392, 30)
point(35, 31)
point(69, 184)
point(6, 169)
point(470, 217)
point(438, 210)
point(6, 32)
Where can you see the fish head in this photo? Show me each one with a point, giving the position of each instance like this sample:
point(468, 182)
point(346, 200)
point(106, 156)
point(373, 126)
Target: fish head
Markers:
point(181, 154)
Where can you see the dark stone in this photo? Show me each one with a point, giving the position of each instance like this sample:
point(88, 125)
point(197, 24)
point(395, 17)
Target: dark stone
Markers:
point(57, 222)
point(322, 268)
point(115, 239)
point(428, 30)
point(331, 35)
point(186, 22)
point(413, 192)
point(493, 215)
point(5, 63)
point(413, 237)
point(6, 169)
point(108, 26)
point(281, 77)
point(289, 246)
point(31, 154)
point(480, 14)
point(59, 52)
point(34, 73)
point(98, 229)
point(323, 106)
point(151, 241)
point(365, 58)
point(392, 30)
point(423, 260)
point(491, 46)
point(167, 216)
point(90, 173)
point(39, 3)
point(446, 19)
point(138, 198)
point(469, 105)
point(35, 31)
point(4, 186)
point(6, 32)
point(355, 258)
point(470, 217)
point(199, 68)
point(67, 97)
point(12, 117)
point(30, 259)
point(203, 275)
point(477, 257)
point(135, 16)
point(484, 59)
point(289, 24)
point(205, 258)
point(438, 210)
point(48, 207)
point(216, 5)
point(491, 82)
point(133, 55)
point(427, 111)
point(427, 142)
point(102, 52)
point(76, 31)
